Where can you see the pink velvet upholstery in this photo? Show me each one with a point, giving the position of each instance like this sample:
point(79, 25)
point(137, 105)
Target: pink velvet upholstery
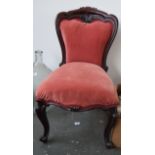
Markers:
point(85, 42)
point(78, 84)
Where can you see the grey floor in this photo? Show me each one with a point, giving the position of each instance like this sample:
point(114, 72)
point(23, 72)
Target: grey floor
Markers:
point(73, 134)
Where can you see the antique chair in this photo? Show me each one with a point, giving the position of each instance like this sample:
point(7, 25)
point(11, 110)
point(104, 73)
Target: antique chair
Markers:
point(81, 82)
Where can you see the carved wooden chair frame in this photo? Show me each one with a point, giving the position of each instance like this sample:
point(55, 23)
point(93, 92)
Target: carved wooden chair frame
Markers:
point(86, 14)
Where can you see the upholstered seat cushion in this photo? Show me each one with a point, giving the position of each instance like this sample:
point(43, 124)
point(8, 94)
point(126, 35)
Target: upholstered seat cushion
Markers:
point(78, 84)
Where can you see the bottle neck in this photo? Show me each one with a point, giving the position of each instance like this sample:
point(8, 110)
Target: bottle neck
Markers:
point(38, 57)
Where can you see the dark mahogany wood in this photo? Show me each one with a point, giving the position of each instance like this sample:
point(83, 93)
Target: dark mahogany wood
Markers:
point(41, 113)
point(87, 15)
point(119, 89)
point(109, 127)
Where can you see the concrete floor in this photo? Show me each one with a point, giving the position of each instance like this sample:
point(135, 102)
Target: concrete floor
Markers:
point(73, 134)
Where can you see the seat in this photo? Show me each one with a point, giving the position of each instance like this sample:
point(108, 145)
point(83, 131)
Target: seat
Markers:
point(78, 84)
point(81, 82)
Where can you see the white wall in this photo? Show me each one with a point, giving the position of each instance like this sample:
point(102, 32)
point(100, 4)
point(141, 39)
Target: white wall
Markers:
point(45, 37)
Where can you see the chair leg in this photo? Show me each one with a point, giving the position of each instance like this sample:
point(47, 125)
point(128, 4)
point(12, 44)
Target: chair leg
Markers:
point(109, 127)
point(41, 113)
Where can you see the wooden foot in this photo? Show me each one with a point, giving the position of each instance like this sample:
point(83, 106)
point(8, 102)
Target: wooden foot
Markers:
point(41, 113)
point(108, 130)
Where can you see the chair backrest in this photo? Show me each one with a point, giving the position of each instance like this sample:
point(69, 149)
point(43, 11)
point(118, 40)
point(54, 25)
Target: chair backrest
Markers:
point(86, 35)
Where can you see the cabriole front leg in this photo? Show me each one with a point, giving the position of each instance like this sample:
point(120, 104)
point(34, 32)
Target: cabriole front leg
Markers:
point(41, 113)
point(109, 128)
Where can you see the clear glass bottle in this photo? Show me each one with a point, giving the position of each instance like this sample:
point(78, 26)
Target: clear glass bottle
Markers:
point(40, 71)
